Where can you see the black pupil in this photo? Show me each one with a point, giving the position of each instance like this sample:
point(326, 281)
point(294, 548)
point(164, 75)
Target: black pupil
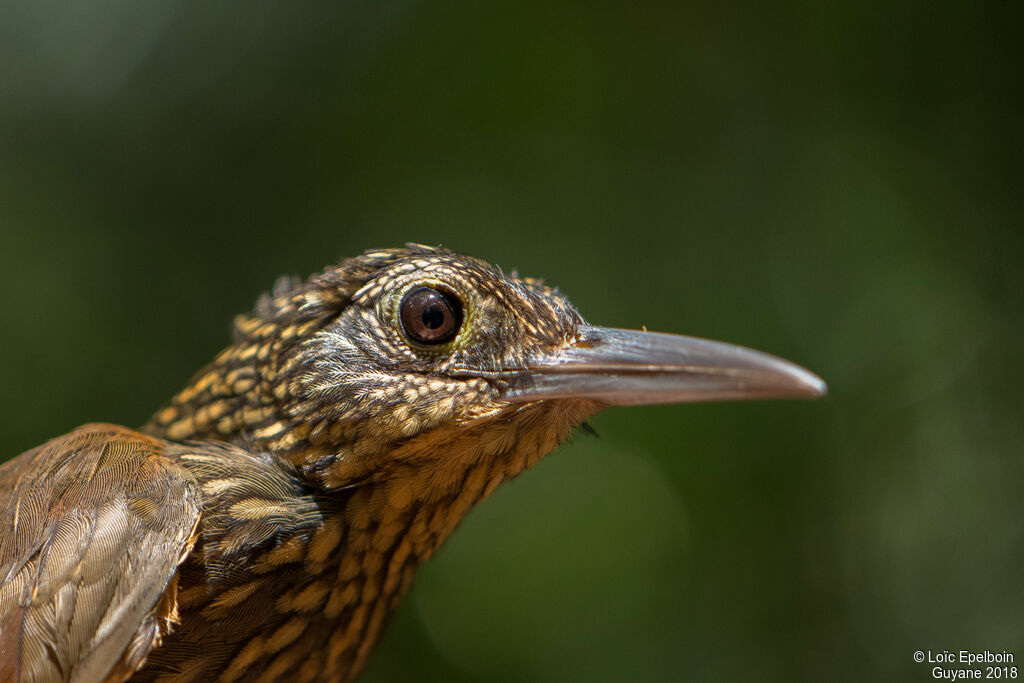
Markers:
point(433, 317)
point(430, 316)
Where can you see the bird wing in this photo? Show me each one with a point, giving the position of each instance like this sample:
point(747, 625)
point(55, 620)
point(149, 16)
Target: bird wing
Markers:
point(93, 526)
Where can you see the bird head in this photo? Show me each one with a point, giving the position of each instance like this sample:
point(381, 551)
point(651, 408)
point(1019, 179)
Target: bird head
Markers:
point(420, 364)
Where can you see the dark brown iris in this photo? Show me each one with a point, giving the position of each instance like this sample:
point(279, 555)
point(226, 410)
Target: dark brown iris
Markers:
point(430, 316)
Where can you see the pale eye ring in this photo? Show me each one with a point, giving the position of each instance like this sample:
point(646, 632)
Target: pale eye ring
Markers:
point(430, 316)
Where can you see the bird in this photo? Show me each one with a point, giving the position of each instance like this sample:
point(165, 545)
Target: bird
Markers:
point(266, 521)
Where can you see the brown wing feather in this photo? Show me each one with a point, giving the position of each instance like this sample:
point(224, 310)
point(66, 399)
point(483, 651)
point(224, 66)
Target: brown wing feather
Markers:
point(93, 526)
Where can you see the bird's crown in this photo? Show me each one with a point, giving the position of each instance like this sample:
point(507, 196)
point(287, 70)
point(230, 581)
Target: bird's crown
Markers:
point(336, 371)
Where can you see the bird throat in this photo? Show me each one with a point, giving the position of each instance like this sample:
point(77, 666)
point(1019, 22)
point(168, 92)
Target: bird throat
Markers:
point(349, 518)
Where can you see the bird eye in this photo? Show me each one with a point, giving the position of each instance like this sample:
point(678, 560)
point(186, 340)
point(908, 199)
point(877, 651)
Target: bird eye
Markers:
point(430, 316)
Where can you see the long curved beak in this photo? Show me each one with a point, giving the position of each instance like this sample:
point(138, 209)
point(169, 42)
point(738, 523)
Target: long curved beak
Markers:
point(629, 367)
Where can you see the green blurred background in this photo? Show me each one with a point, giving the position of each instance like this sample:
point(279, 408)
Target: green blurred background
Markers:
point(838, 183)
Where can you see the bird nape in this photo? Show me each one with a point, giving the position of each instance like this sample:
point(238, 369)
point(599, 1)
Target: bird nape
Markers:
point(266, 521)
